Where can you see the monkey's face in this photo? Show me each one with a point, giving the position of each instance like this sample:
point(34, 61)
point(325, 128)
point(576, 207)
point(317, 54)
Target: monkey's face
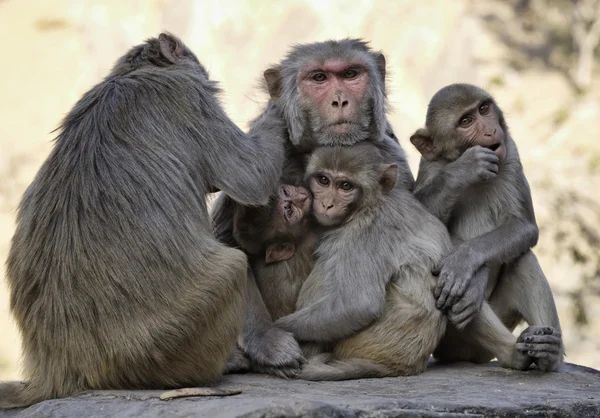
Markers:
point(293, 206)
point(335, 94)
point(335, 196)
point(480, 125)
point(461, 116)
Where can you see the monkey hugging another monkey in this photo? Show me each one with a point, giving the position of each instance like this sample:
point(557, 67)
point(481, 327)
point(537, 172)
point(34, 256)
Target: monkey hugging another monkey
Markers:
point(351, 274)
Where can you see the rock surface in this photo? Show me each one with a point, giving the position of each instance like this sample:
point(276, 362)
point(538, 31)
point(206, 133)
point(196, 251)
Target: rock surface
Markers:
point(458, 390)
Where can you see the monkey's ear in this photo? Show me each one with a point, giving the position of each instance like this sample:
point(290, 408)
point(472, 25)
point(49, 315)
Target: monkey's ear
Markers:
point(279, 252)
point(381, 66)
point(273, 79)
point(389, 176)
point(423, 142)
point(171, 47)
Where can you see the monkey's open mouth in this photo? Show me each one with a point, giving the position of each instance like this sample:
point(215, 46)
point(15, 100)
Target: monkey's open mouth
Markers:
point(494, 147)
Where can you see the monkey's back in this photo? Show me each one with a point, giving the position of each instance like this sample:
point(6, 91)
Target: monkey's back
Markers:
point(108, 263)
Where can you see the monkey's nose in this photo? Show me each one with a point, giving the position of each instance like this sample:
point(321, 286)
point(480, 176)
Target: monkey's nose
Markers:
point(327, 206)
point(336, 102)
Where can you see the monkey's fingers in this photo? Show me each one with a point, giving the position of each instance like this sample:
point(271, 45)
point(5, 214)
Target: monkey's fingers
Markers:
point(187, 392)
point(542, 339)
point(538, 348)
point(547, 331)
point(463, 318)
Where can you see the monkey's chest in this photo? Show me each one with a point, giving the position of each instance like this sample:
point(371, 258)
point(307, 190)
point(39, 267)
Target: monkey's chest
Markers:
point(473, 215)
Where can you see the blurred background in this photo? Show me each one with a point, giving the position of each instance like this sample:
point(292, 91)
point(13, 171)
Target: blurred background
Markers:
point(539, 58)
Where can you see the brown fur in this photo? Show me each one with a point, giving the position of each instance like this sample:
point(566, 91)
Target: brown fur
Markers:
point(116, 279)
point(471, 178)
point(409, 242)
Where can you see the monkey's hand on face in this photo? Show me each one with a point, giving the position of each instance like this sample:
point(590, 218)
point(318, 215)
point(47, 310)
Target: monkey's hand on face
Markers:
point(476, 164)
point(461, 284)
point(463, 309)
point(543, 345)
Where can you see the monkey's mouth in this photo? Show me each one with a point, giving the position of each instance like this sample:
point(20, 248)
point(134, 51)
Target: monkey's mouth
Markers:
point(495, 146)
point(341, 123)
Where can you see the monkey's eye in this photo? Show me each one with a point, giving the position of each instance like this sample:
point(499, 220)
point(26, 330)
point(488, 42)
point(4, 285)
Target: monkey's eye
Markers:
point(323, 181)
point(484, 108)
point(286, 192)
point(465, 121)
point(350, 73)
point(346, 186)
point(319, 77)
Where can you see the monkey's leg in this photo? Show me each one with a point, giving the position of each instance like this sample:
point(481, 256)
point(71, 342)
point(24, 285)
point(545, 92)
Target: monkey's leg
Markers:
point(271, 349)
point(523, 289)
point(484, 338)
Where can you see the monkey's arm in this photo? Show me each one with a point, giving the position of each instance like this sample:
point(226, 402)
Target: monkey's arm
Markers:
point(393, 153)
point(440, 184)
point(265, 344)
point(354, 296)
point(247, 167)
point(221, 213)
point(514, 237)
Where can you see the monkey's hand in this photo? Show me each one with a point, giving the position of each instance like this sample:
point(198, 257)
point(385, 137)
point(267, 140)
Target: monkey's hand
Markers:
point(457, 273)
point(476, 164)
point(469, 304)
point(544, 345)
point(276, 352)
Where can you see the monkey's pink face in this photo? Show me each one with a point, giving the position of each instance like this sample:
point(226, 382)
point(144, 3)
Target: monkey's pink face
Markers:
point(482, 127)
point(333, 197)
point(336, 89)
point(293, 204)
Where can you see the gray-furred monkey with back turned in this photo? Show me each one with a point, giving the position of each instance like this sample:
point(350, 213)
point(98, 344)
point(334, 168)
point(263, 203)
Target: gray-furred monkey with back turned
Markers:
point(326, 93)
point(116, 279)
point(471, 178)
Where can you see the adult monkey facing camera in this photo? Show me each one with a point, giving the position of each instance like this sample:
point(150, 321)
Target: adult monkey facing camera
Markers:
point(471, 178)
point(326, 93)
point(115, 224)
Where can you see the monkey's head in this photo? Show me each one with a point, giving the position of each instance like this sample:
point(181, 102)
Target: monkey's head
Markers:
point(460, 116)
point(331, 93)
point(165, 51)
point(275, 229)
point(347, 180)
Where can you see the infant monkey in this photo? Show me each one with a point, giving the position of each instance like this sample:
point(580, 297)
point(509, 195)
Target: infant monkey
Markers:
point(281, 240)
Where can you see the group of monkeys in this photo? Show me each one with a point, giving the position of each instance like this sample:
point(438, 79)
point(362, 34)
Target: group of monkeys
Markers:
point(321, 259)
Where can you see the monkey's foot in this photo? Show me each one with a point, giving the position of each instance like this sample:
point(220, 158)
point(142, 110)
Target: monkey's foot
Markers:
point(237, 362)
point(276, 352)
point(544, 345)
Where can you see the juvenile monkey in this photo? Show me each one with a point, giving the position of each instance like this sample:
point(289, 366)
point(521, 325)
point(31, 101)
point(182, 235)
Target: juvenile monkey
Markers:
point(471, 178)
point(373, 304)
point(116, 279)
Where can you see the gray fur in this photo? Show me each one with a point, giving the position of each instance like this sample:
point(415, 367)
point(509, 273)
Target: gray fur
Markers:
point(301, 140)
point(492, 223)
point(116, 280)
point(378, 310)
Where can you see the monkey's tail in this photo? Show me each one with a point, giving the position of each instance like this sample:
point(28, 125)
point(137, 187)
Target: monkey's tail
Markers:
point(344, 369)
point(20, 395)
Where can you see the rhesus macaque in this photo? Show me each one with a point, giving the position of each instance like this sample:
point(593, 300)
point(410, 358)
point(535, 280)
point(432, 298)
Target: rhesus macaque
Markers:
point(471, 178)
point(280, 240)
point(370, 293)
point(116, 279)
point(327, 93)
